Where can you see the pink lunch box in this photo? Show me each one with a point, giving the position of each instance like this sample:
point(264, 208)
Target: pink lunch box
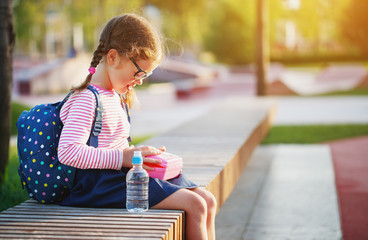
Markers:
point(169, 168)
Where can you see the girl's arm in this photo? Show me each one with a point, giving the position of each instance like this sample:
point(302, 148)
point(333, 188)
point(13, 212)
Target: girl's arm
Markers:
point(77, 115)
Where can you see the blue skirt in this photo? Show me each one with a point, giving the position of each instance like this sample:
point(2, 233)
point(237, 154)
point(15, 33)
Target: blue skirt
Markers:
point(107, 188)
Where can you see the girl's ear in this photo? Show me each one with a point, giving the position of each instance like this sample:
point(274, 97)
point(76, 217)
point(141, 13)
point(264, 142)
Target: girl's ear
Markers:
point(112, 57)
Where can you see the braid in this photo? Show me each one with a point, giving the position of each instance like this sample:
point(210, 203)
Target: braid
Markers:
point(97, 56)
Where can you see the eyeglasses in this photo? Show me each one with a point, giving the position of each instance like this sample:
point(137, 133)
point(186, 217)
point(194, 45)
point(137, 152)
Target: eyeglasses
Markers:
point(140, 74)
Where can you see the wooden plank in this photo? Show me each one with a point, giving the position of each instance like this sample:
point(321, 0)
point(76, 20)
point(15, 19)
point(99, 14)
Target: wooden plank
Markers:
point(89, 218)
point(82, 229)
point(82, 223)
point(63, 228)
point(24, 207)
point(84, 233)
point(25, 211)
point(28, 236)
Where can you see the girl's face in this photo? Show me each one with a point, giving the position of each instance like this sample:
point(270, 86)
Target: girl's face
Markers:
point(121, 71)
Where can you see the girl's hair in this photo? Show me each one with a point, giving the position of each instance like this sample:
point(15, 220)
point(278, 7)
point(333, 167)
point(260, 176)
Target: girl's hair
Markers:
point(132, 36)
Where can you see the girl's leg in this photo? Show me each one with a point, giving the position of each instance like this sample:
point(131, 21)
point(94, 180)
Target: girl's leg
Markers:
point(211, 210)
point(195, 208)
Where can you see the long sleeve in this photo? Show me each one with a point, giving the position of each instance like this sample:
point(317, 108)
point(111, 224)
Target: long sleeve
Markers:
point(77, 115)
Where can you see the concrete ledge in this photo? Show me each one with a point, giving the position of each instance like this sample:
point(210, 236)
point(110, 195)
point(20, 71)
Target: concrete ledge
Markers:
point(217, 145)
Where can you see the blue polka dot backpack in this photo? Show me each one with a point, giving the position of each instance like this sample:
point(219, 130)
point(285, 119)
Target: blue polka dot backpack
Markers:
point(42, 175)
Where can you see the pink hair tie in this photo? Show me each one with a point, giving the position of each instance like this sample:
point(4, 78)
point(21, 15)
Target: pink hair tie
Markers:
point(92, 70)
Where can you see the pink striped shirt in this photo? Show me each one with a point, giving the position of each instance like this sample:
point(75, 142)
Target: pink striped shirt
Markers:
point(77, 115)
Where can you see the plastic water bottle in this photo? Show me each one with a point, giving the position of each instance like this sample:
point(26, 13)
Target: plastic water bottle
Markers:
point(137, 186)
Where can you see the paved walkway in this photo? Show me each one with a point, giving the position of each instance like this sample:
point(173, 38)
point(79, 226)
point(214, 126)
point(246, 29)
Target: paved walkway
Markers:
point(285, 192)
point(322, 110)
point(317, 191)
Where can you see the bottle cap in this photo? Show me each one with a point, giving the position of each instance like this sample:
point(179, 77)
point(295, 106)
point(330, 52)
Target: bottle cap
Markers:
point(137, 158)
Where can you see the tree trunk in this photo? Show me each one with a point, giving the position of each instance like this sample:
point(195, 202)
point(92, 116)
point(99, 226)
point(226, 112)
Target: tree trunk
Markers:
point(262, 46)
point(7, 40)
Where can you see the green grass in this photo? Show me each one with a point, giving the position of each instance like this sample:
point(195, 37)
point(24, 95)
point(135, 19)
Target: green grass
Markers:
point(11, 192)
point(323, 64)
point(138, 139)
point(309, 134)
point(17, 109)
point(354, 92)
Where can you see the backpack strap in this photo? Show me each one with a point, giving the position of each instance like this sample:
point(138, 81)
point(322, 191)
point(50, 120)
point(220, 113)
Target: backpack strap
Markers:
point(60, 104)
point(97, 124)
point(126, 108)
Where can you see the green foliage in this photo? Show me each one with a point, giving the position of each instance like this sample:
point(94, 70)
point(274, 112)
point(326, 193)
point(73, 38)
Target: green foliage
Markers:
point(309, 134)
point(17, 109)
point(362, 91)
point(183, 20)
point(316, 27)
point(225, 28)
point(11, 192)
point(32, 18)
point(94, 14)
point(231, 33)
point(28, 23)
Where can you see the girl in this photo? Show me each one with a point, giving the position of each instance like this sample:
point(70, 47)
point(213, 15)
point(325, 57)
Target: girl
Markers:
point(128, 51)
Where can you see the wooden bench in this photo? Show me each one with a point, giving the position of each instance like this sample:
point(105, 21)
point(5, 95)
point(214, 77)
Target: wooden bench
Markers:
point(216, 147)
point(36, 221)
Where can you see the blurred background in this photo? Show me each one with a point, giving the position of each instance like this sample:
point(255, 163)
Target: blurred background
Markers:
point(207, 40)
point(313, 51)
point(314, 60)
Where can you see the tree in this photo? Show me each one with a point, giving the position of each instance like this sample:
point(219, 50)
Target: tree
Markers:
point(7, 41)
point(230, 35)
point(183, 20)
point(354, 25)
point(262, 49)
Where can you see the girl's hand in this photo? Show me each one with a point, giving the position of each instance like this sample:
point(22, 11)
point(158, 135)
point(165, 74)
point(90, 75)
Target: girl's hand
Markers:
point(149, 151)
point(146, 151)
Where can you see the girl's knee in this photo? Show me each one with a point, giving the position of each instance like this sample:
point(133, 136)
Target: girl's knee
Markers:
point(209, 198)
point(211, 202)
point(197, 205)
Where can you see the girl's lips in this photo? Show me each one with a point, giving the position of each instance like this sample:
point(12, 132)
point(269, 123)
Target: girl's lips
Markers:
point(130, 87)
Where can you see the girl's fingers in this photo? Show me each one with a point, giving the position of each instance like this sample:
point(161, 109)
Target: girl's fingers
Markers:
point(147, 168)
point(150, 148)
point(145, 148)
point(151, 152)
point(151, 160)
point(162, 148)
